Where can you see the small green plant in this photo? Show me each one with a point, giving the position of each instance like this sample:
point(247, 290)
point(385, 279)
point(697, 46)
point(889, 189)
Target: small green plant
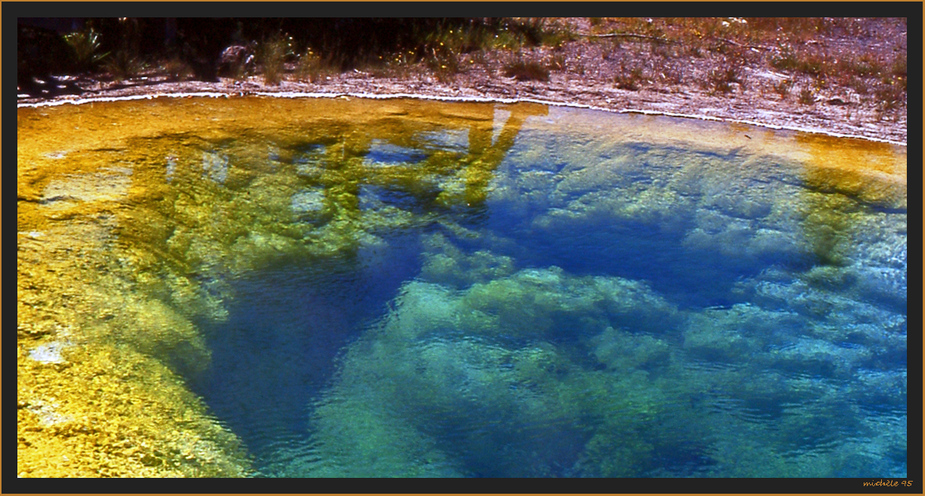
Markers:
point(86, 46)
point(788, 58)
point(443, 63)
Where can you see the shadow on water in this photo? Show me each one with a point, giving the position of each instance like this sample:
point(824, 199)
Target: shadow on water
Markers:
point(276, 349)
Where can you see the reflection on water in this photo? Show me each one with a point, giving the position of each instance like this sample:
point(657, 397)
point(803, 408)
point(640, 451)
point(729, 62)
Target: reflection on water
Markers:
point(406, 288)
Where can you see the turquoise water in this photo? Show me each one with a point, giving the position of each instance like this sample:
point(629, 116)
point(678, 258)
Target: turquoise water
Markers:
point(487, 290)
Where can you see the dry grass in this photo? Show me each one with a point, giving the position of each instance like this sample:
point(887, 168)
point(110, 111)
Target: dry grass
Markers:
point(829, 53)
point(311, 67)
point(272, 54)
point(630, 78)
point(176, 69)
point(524, 70)
point(123, 64)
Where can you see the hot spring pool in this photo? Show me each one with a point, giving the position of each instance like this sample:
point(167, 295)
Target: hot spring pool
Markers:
point(352, 288)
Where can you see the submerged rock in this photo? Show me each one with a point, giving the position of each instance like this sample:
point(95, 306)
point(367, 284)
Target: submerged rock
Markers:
point(472, 371)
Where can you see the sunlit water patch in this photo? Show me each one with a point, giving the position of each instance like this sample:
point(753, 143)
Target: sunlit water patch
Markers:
point(407, 288)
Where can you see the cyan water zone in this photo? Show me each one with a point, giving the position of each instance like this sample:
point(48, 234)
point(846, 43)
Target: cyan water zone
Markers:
point(404, 288)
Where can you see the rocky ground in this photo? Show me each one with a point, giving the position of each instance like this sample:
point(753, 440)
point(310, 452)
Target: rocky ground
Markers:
point(632, 72)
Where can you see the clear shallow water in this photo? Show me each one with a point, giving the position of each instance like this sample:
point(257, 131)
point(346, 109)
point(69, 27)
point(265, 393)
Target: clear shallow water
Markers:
point(475, 290)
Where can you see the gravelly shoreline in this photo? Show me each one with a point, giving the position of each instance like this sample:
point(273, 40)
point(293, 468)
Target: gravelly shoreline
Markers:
point(825, 119)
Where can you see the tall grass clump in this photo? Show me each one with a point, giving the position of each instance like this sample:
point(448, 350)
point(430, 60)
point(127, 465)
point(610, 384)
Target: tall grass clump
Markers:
point(85, 46)
point(311, 67)
point(123, 64)
point(271, 56)
point(890, 95)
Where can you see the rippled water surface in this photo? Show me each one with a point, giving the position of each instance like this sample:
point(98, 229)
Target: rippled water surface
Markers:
point(408, 288)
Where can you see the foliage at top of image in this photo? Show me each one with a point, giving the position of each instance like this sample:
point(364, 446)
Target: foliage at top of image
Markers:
point(655, 51)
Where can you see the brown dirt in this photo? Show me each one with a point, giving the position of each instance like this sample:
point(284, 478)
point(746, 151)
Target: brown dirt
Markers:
point(585, 72)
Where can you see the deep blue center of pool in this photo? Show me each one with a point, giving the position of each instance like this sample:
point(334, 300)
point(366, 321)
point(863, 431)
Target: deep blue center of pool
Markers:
point(529, 327)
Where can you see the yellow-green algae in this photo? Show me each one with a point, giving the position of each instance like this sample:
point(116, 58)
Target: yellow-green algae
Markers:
point(102, 406)
point(131, 213)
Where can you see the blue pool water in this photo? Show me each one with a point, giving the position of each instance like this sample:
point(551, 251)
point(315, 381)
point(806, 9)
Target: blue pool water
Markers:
point(522, 291)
